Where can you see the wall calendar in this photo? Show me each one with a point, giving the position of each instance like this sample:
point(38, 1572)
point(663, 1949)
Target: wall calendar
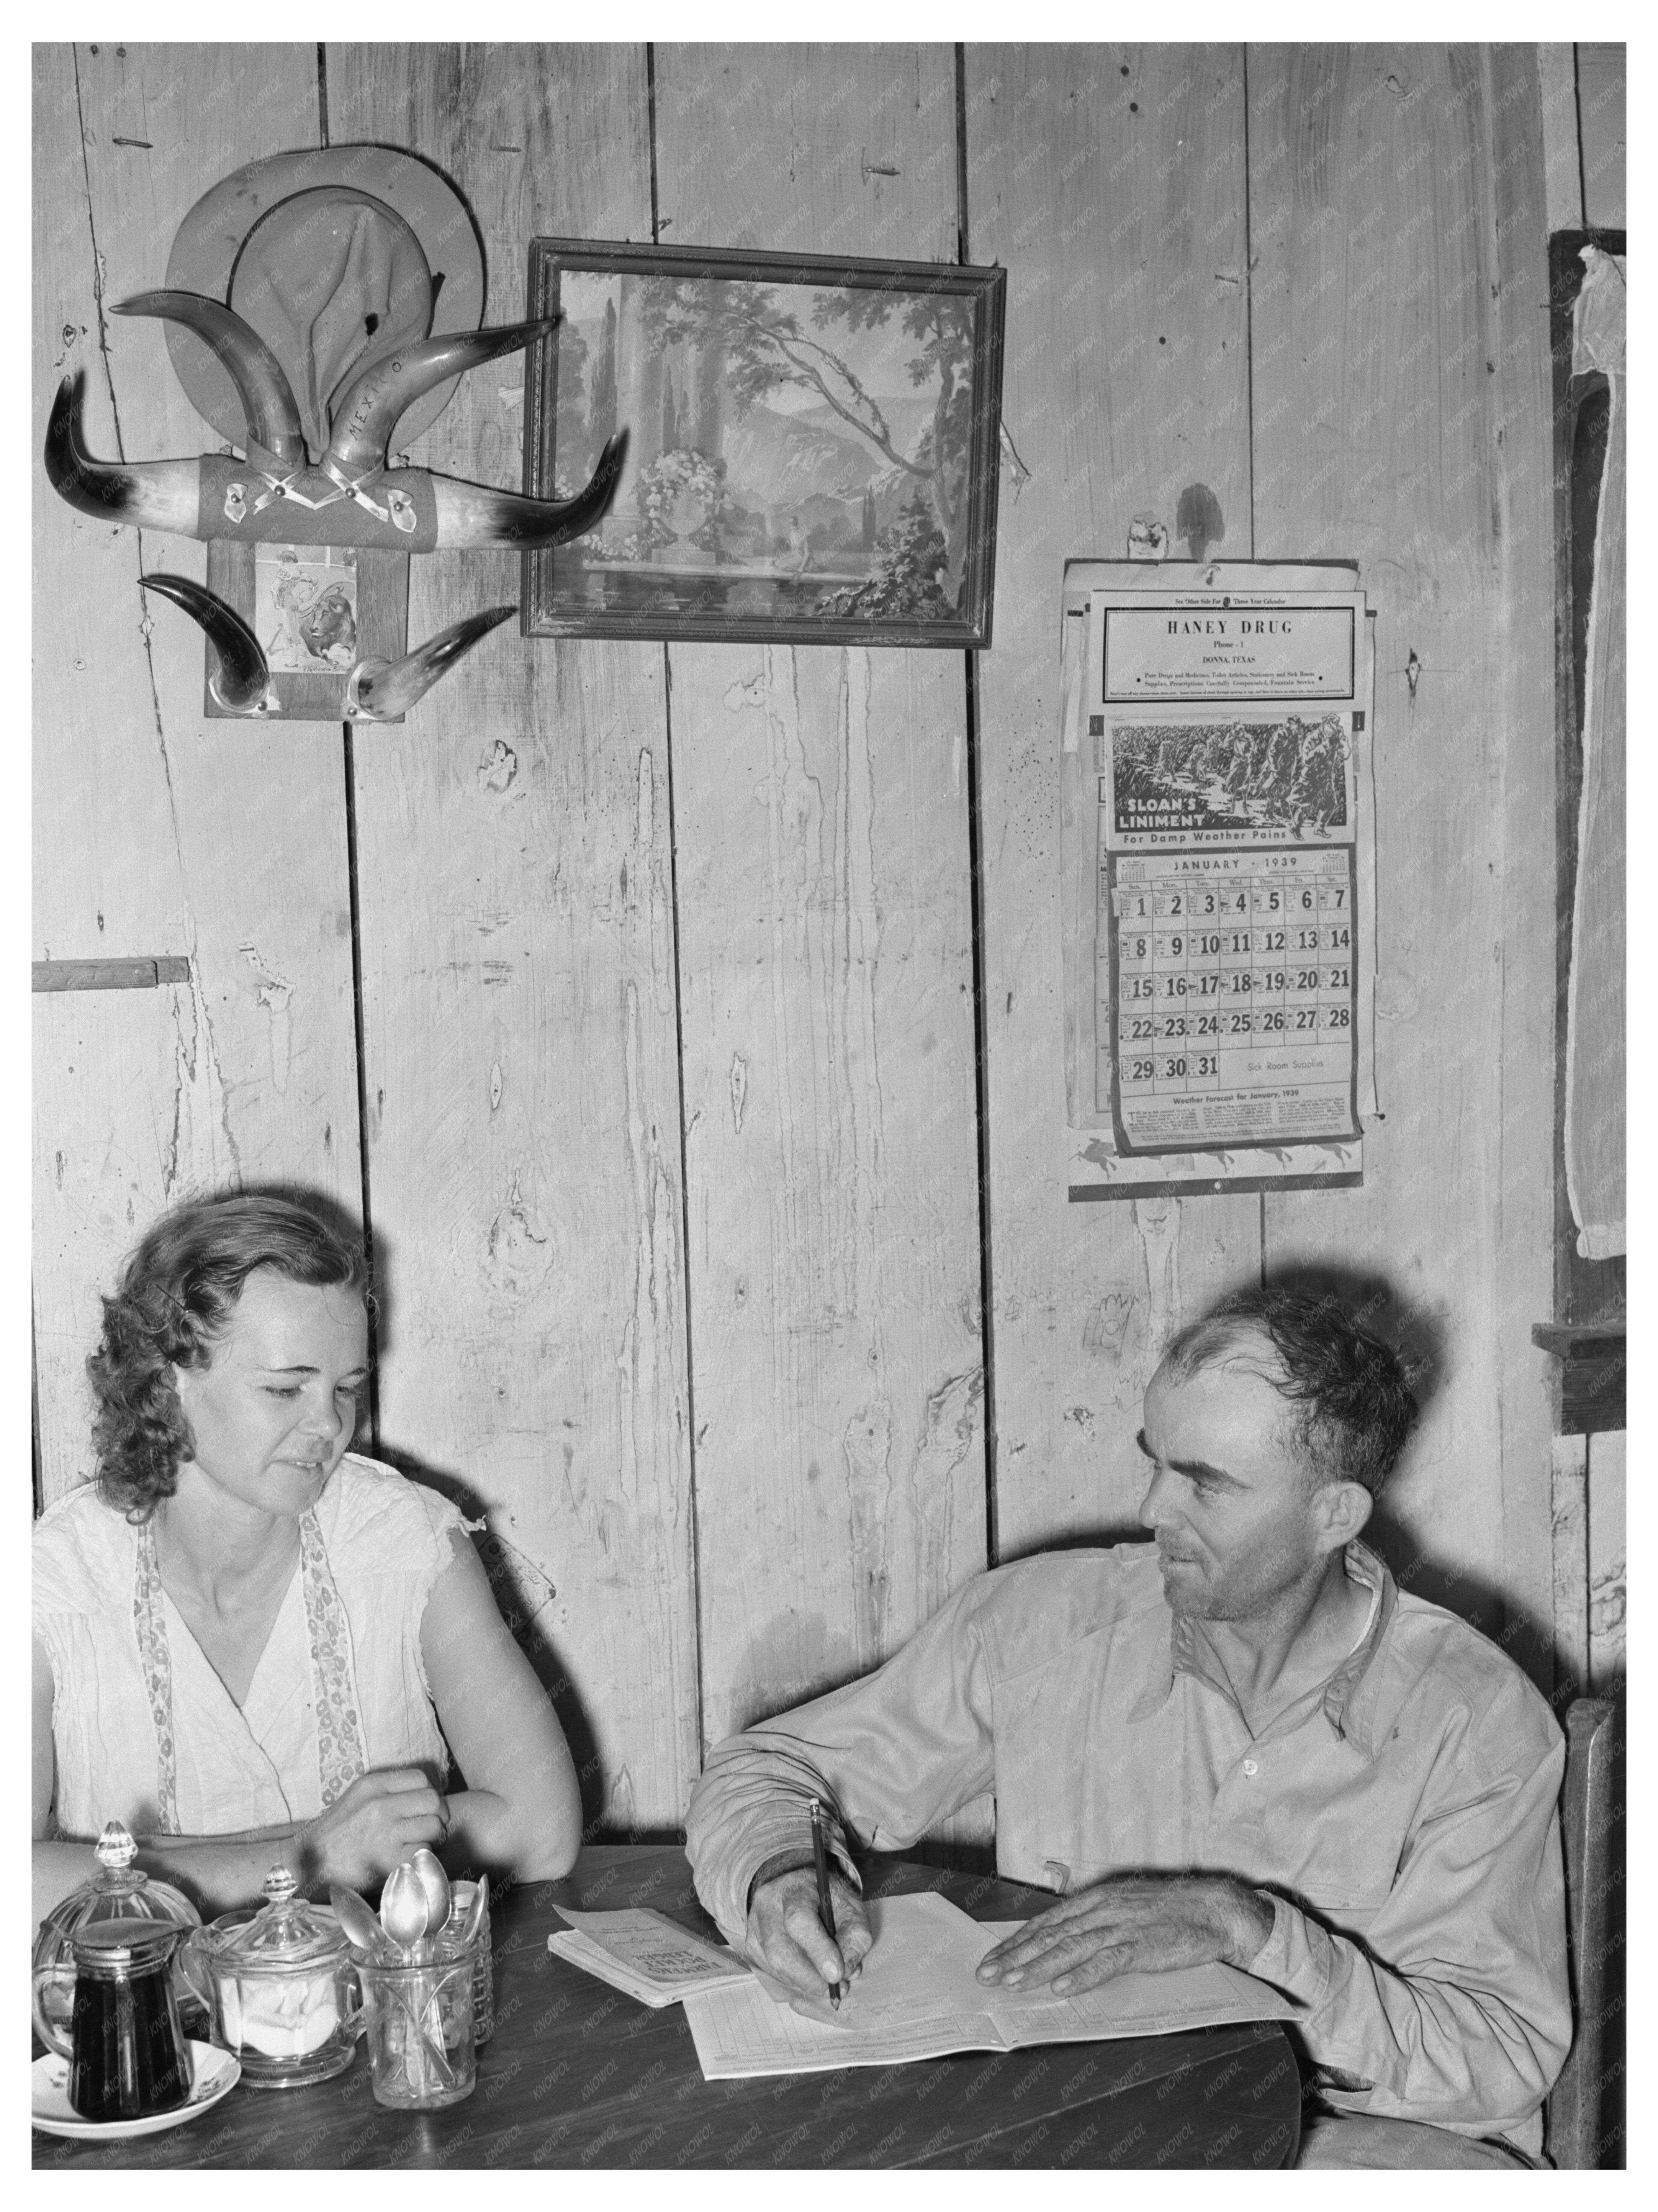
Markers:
point(1216, 783)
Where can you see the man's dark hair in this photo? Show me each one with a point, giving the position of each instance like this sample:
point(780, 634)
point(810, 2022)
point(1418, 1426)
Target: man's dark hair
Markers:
point(173, 1302)
point(1353, 1401)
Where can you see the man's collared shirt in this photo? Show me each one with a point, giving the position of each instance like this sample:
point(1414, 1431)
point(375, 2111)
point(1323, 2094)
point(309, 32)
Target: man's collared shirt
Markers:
point(1402, 1813)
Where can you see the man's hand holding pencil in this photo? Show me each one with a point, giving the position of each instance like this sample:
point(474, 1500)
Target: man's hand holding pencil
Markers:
point(809, 1927)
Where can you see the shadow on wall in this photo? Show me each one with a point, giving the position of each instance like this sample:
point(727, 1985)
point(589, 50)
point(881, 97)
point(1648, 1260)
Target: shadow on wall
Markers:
point(522, 1591)
point(1419, 1334)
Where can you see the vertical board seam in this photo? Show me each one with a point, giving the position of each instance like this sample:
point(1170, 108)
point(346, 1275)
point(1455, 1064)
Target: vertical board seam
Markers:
point(98, 265)
point(650, 138)
point(684, 1183)
point(1249, 379)
point(975, 930)
point(961, 161)
point(981, 1102)
point(1250, 450)
point(359, 1032)
point(1512, 1419)
point(359, 1043)
point(98, 270)
point(1577, 118)
point(37, 1457)
point(1500, 577)
point(679, 1069)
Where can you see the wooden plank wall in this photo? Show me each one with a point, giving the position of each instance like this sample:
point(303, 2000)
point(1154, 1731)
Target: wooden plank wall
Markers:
point(519, 992)
point(668, 973)
point(1597, 197)
point(155, 831)
point(820, 814)
point(1110, 181)
point(1400, 260)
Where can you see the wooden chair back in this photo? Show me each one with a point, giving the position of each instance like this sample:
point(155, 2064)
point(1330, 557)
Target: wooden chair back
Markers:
point(1584, 2125)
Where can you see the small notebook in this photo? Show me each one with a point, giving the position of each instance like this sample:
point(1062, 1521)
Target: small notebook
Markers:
point(644, 1954)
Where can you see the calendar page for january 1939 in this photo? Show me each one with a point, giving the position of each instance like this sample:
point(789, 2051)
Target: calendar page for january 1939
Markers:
point(1218, 737)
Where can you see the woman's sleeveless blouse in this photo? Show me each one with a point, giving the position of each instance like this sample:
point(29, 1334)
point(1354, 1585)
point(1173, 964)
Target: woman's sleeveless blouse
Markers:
point(144, 1731)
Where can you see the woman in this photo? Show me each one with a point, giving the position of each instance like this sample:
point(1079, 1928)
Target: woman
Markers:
point(251, 1645)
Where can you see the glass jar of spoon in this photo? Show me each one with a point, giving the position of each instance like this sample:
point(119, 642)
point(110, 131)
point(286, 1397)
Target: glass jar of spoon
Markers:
point(417, 1965)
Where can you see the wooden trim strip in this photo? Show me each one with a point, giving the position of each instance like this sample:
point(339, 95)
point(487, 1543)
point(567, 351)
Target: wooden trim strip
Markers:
point(1581, 1340)
point(1201, 1187)
point(147, 974)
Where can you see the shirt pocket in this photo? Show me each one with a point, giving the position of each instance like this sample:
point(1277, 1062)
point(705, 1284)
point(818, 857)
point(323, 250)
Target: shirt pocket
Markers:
point(1338, 1850)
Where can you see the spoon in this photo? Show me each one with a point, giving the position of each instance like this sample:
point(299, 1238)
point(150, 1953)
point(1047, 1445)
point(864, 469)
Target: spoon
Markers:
point(355, 1916)
point(474, 1911)
point(405, 1910)
point(435, 1884)
point(405, 1915)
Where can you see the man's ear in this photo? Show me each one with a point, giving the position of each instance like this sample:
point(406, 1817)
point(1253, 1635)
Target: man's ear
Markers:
point(1341, 1510)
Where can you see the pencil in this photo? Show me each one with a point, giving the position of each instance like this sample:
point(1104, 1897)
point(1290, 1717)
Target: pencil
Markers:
point(825, 1902)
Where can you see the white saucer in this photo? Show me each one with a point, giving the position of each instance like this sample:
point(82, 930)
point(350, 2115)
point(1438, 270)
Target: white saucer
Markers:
point(217, 2074)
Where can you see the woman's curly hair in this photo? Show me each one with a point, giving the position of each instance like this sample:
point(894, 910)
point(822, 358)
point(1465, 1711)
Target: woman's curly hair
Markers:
point(173, 1302)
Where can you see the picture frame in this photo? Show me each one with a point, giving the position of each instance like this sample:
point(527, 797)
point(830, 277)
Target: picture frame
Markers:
point(813, 453)
point(315, 610)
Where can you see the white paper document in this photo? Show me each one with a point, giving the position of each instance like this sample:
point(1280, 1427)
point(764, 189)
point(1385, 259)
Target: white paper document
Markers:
point(917, 1998)
point(644, 1954)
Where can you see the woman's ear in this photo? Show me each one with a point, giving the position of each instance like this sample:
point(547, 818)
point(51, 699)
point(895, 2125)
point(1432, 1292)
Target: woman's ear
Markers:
point(185, 1380)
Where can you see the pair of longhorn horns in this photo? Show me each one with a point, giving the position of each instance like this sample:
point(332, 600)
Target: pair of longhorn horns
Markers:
point(369, 411)
point(375, 690)
point(170, 495)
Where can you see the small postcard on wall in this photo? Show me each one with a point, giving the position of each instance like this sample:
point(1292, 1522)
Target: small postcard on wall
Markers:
point(305, 607)
point(1215, 784)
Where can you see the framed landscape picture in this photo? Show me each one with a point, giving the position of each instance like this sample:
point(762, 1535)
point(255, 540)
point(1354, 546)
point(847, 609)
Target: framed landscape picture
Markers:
point(813, 444)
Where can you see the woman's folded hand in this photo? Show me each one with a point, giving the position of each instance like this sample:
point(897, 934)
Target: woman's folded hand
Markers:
point(381, 1819)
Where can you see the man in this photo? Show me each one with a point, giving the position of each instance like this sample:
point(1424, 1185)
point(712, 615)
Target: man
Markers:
point(1243, 1743)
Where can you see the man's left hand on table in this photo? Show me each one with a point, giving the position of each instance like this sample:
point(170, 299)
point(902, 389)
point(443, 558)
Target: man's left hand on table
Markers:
point(1132, 1923)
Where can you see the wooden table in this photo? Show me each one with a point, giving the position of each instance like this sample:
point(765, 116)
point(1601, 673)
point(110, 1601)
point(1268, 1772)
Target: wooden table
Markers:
point(577, 2074)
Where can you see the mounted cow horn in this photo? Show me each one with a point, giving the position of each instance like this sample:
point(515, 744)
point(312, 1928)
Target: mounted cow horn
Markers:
point(479, 516)
point(269, 408)
point(375, 690)
point(241, 682)
point(155, 494)
point(406, 510)
point(382, 690)
point(368, 414)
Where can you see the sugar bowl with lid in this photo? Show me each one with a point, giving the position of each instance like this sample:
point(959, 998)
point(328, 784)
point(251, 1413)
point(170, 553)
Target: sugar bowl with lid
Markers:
point(284, 1988)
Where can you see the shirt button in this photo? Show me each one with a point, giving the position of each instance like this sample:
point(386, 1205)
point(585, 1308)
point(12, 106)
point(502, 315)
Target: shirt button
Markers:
point(1249, 1765)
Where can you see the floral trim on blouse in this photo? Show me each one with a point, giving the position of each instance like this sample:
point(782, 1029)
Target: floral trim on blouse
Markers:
point(157, 1661)
point(341, 1755)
